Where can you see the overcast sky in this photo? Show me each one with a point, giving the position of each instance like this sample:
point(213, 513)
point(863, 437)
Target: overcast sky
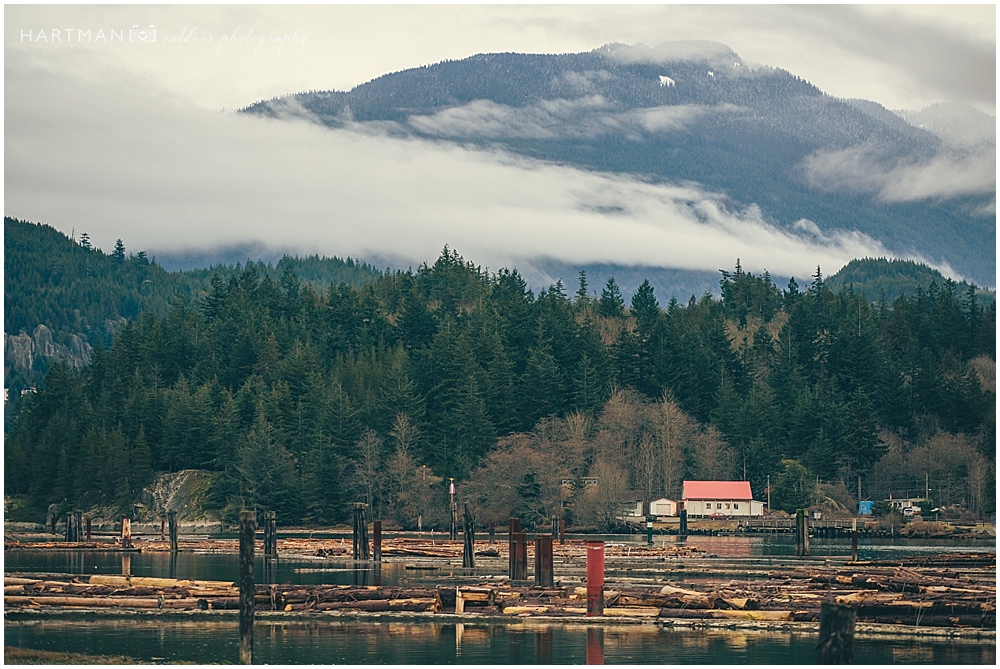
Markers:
point(126, 139)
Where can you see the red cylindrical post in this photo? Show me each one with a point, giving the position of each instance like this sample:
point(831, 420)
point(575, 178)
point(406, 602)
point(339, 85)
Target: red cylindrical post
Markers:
point(595, 578)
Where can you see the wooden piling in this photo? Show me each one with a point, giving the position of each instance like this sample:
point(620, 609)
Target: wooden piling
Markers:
point(248, 528)
point(361, 532)
point(513, 528)
point(595, 578)
point(543, 560)
point(469, 534)
point(126, 530)
point(172, 527)
point(270, 534)
point(377, 540)
point(492, 531)
point(683, 530)
point(801, 533)
point(520, 551)
point(453, 526)
point(854, 540)
point(836, 634)
point(87, 526)
point(74, 526)
point(562, 531)
point(355, 550)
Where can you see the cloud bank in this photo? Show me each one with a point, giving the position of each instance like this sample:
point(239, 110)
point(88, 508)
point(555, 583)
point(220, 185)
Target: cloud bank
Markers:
point(946, 175)
point(120, 162)
point(584, 117)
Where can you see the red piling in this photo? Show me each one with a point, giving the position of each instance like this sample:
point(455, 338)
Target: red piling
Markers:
point(595, 578)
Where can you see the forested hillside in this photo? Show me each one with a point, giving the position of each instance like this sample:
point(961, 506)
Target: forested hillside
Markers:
point(886, 279)
point(82, 296)
point(304, 401)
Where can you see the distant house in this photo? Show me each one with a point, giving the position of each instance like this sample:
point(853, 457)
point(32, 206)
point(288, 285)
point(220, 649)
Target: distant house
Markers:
point(663, 507)
point(908, 506)
point(637, 511)
point(730, 498)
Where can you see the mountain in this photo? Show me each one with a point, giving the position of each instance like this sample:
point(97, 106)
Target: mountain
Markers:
point(882, 278)
point(695, 112)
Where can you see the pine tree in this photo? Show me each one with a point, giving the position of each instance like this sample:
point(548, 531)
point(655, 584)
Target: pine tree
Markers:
point(582, 294)
point(119, 253)
point(645, 308)
point(611, 303)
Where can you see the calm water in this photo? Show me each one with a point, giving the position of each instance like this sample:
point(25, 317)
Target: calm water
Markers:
point(209, 641)
point(435, 643)
point(225, 566)
point(207, 566)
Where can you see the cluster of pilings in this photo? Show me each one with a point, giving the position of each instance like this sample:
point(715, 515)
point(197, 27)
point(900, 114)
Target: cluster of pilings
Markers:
point(361, 532)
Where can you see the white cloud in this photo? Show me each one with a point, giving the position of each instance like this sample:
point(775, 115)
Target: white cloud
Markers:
point(588, 116)
point(946, 175)
point(118, 162)
point(903, 56)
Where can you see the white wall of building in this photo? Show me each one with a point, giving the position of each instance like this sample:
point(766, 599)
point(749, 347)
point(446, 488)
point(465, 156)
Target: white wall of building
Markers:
point(732, 508)
point(663, 507)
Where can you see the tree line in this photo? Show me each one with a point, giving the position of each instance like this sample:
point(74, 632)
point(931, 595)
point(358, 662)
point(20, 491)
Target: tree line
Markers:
point(304, 401)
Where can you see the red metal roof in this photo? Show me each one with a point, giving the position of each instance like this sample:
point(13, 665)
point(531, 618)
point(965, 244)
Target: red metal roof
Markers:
point(738, 490)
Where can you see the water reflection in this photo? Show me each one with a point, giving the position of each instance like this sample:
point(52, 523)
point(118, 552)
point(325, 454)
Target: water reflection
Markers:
point(209, 566)
point(326, 642)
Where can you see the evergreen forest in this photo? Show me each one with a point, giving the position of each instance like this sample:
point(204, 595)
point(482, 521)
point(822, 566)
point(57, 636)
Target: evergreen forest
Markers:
point(304, 399)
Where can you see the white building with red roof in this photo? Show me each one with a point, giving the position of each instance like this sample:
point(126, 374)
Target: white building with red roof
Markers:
point(729, 498)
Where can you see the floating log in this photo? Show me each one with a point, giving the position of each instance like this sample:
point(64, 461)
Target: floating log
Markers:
point(130, 581)
point(381, 605)
point(96, 602)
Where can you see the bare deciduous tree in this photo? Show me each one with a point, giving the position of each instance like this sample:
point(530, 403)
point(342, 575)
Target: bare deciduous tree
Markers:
point(713, 459)
point(647, 466)
point(369, 467)
point(600, 504)
point(673, 428)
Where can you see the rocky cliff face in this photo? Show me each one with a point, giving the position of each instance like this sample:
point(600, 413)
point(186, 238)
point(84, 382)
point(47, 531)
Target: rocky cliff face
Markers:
point(21, 350)
point(183, 492)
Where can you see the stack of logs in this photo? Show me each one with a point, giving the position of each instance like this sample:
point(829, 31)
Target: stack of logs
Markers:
point(132, 592)
point(886, 595)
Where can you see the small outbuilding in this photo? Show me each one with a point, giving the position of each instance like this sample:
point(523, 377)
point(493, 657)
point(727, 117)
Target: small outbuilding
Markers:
point(663, 507)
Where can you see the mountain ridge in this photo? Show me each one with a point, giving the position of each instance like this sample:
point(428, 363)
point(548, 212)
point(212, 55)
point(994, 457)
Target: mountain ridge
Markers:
point(757, 135)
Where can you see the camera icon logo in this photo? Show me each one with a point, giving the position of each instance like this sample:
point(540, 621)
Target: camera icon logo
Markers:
point(137, 34)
